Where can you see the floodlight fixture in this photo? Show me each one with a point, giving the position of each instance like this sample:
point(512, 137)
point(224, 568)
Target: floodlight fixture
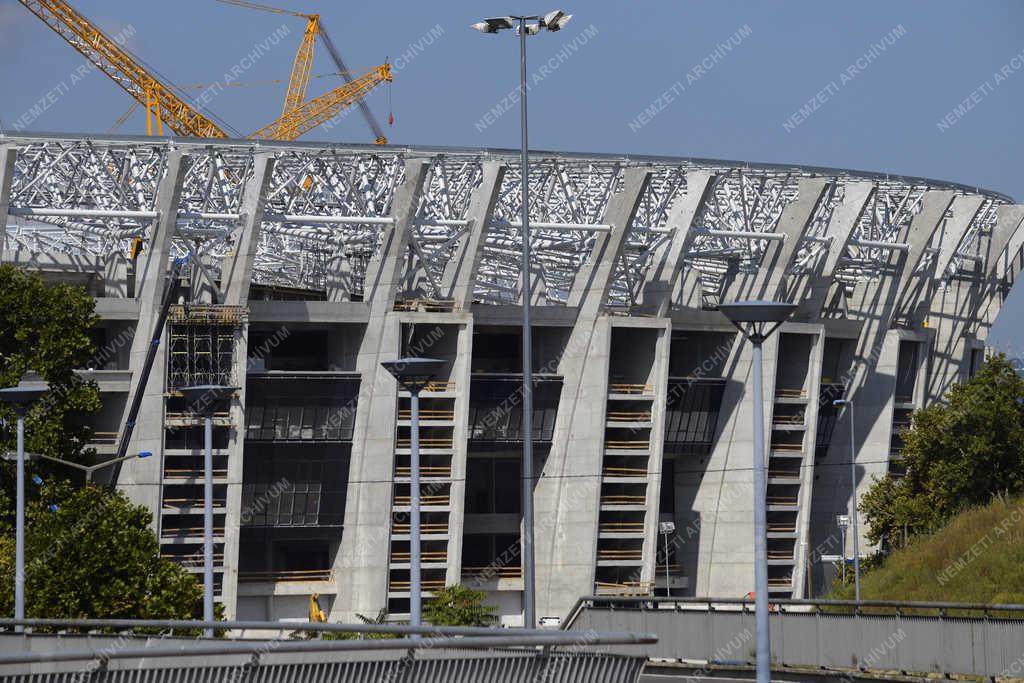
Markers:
point(493, 24)
point(414, 373)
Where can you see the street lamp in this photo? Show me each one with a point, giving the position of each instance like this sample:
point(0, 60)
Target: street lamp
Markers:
point(413, 374)
point(666, 529)
point(19, 398)
point(843, 522)
point(853, 498)
point(756, 320)
point(203, 399)
point(88, 469)
point(552, 21)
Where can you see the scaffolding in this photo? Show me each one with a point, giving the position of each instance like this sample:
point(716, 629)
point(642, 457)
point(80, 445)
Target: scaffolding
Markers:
point(202, 343)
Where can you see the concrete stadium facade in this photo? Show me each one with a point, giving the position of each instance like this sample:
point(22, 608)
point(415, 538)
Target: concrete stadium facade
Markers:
point(312, 263)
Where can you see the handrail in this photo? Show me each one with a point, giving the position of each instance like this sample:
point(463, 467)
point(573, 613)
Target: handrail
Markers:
point(440, 528)
point(424, 500)
point(432, 471)
point(623, 500)
point(288, 575)
point(429, 442)
point(404, 414)
point(790, 393)
point(429, 556)
point(627, 388)
point(620, 527)
point(621, 445)
point(506, 572)
point(624, 471)
point(628, 416)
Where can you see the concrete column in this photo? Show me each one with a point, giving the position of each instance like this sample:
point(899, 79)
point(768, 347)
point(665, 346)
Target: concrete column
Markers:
point(567, 494)
point(8, 155)
point(920, 234)
point(140, 479)
point(803, 548)
point(856, 194)
point(655, 464)
point(237, 271)
point(665, 274)
point(361, 566)
point(461, 272)
point(1001, 265)
point(793, 224)
point(462, 376)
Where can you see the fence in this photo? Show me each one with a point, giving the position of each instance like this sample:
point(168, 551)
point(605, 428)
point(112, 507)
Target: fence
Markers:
point(911, 638)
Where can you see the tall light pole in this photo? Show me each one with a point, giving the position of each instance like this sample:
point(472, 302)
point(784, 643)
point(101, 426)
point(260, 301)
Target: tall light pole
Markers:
point(204, 399)
point(756, 320)
point(853, 497)
point(20, 398)
point(552, 21)
point(88, 469)
point(667, 529)
point(413, 374)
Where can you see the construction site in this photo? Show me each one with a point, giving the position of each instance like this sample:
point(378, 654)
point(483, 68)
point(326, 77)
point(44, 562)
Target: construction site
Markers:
point(290, 270)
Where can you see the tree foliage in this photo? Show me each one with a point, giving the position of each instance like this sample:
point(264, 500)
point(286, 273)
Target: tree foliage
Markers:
point(458, 605)
point(95, 556)
point(45, 329)
point(958, 455)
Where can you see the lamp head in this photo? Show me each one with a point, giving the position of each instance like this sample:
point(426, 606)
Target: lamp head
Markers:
point(555, 21)
point(414, 373)
point(493, 24)
point(20, 397)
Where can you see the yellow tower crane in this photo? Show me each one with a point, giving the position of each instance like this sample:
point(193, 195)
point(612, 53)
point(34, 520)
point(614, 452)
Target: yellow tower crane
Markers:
point(164, 106)
point(292, 123)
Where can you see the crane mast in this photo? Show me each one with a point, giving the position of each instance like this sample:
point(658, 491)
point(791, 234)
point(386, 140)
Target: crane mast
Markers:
point(161, 104)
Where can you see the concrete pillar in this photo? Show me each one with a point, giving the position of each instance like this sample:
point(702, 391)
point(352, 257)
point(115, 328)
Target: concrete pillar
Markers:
point(237, 271)
point(462, 376)
point(920, 234)
point(793, 223)
point(803, 548)
point(361, 566)
point(665, 274)
point(461, 272)
point(115, 275)
point(856, 194)
point(655, 463)
point(140, 479)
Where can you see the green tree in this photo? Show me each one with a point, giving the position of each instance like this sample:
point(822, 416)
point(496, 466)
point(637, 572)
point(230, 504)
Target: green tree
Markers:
point(46, 329)
point(958, 455)
point(94, 555)
point(458, 605)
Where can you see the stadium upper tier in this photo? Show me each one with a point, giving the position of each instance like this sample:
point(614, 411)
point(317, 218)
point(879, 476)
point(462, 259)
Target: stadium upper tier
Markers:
point(328, 203)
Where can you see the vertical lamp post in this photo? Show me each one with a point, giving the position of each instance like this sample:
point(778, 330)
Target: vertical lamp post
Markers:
point(667, 529)
point(843, 522)
point(756, 320)
point(853, 498)
point(203, 399)
point(552, 21)
point(19, 398)
point(413, 374)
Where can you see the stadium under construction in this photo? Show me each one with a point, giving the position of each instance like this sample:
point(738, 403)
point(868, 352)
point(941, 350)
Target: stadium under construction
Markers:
point(310, 264)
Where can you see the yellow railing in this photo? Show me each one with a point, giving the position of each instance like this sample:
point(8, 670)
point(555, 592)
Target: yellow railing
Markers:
point(781, 528)
point(424, 528)
point(427, 414)
point(780, 554)
point(210, 314)
point(623, 500)
point(424, 500)
point(633, 389)
point(780, 583)
point(189, 502)
point(438, 385)
point(430, 442)
point(625, 472)
point(790, 393)
point(629, 416)
point(788, 419)
point(627, 588)
point(788, 447)
point(783, 474)
point(621, 527)
point(671, 568)
point(429, 556)
point(619, 554)
point(438, 471)
point(192, 473)
point(621, 445)
point(493, 572)
point(293, 575)
point(399, 586)
point(425, 305)
point(781, 500)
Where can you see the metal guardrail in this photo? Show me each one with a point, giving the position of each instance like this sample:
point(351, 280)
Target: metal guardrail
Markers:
point(99, 650)
point(907, 637)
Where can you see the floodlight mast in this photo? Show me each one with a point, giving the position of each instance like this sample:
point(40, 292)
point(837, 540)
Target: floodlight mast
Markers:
point(552, 21)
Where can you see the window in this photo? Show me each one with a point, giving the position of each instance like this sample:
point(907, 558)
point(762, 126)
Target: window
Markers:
point(493, 485)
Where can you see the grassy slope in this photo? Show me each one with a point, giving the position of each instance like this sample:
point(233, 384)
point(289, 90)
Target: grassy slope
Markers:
point(978, 557)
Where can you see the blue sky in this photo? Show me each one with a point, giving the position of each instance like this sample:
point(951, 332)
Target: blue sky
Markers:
point(885, 115)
